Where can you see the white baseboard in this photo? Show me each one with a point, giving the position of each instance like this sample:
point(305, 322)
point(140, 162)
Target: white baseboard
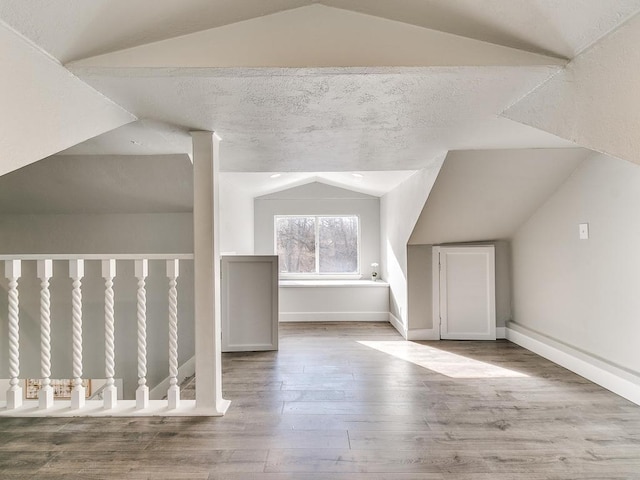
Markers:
point(424, 334)
point(398, 325)
point(501, 332)
point(334, 317)
point(614, 378)
point(418, 334)
point(186, 370)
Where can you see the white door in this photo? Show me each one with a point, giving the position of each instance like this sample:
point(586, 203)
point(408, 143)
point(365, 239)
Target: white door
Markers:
point(464, 292)
point(249, 297)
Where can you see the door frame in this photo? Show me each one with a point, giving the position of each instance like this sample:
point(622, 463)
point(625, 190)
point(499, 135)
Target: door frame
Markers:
point(439, 305)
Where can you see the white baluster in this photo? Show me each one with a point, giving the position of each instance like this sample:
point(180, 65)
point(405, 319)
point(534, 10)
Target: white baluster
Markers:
point(110, 394)
point(173, 394)
point(45, 395)
point(76, 272)
point(13, 270)
point(142, 393)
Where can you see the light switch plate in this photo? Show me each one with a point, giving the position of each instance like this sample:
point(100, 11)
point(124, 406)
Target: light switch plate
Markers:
point(584, 231)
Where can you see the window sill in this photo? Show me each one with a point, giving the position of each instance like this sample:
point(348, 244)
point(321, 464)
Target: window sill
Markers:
point(332, 283)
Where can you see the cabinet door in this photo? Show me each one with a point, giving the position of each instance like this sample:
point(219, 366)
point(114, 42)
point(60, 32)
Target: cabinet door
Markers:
point(249, 303)
point(464, 295)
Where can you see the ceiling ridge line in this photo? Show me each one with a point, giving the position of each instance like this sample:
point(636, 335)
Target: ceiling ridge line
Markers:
point(559, 70)
point(33, 45)
point(589, 46)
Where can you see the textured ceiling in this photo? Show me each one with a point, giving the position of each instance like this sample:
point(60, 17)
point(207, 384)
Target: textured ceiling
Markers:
point(331, 120)
point(364, 110)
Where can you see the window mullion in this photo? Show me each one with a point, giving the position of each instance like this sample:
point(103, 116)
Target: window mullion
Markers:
point(317, 245)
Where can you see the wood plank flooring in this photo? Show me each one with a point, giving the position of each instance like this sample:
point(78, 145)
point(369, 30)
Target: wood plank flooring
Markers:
point(355, 401)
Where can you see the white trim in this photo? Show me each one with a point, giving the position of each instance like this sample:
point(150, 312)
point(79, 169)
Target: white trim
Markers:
point(435, 290)
point(332, 283)
point(334, 316)
point(124, 408)
point(99, 256)
point(501, 333)
point(612, 377)
point(186, 370)
point(424, 334)
point(398, 325)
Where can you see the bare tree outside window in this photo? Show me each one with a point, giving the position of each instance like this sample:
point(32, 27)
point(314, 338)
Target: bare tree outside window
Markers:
point(338, 244)
point(317, 245)
point(296, 244)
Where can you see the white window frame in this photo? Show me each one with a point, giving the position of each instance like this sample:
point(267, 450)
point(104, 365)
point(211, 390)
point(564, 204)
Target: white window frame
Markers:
point(318, 275)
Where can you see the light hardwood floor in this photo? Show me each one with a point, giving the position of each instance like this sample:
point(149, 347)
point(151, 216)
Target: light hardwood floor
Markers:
point(355, 401)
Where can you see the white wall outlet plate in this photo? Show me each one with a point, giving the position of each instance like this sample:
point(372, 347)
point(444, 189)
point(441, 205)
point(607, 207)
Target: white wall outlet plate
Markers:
point(584, 231)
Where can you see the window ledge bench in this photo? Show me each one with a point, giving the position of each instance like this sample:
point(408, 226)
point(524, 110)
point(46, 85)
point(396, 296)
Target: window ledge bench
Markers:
point(334, 301)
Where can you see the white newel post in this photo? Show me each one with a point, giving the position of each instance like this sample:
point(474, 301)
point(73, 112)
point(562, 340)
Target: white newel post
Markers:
point(76, 272)
point(173, 394)
point(110, 393)
point(207, 273)
point(13, 270)
point(45, 395)
point(142, 393)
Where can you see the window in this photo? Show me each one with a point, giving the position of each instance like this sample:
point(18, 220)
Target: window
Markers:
point(317, 245)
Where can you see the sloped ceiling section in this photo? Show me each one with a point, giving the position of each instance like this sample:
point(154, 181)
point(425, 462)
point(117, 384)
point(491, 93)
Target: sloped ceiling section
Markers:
point(315, 190)
point(74, 29)
point(264, 183)
point(45, 109)
point(595, 101)
point(324, 37)
point(551, 27)
point(487, 195)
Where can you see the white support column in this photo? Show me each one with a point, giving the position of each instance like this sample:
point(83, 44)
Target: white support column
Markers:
point(142, 393)
point(110, 393)
point(76, 272)
point(207, 273)
point(45, 395)
point(173, 394)
point(13, 270)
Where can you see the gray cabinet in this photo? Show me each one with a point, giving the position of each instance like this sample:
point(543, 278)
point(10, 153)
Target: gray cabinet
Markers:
point(249, 303)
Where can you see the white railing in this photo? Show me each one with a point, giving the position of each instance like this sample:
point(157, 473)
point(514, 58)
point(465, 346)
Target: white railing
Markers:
point(109, 405)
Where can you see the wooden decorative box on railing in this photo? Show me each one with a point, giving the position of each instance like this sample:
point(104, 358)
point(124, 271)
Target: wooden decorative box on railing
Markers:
point(77, 405)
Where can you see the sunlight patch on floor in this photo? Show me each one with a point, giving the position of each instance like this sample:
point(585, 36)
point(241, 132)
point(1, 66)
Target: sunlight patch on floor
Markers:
point(440, 361)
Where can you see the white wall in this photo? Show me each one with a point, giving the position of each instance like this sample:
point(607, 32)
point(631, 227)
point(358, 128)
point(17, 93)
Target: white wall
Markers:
point(419, 275)
point(334, 301)
point(320, 199)
point(399, 211)
point(584, 293)
point(236, 219)
point(123, 233)
point(97, 233)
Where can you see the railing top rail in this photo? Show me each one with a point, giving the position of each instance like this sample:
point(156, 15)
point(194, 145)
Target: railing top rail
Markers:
point(99, 256)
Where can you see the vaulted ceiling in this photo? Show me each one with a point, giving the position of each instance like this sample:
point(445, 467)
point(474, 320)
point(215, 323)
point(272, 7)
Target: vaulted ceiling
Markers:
point(306, 86)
